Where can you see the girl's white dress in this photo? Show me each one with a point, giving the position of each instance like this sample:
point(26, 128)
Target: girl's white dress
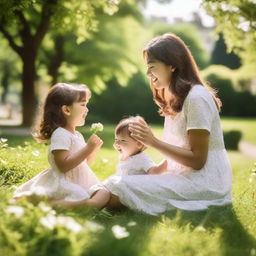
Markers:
point(72, 185)
point(182, 187)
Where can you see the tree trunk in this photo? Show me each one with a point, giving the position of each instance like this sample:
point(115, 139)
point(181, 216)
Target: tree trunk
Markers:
point(5, 81)
point(28, 87)
point(57, 58)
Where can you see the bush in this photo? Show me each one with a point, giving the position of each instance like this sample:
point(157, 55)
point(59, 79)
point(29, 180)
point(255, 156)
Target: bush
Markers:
point(236, 99)
point(232, 139)
point(117, 102)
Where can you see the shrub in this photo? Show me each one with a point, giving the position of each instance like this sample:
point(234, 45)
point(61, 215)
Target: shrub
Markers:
point(232, 89)
point(232, 139)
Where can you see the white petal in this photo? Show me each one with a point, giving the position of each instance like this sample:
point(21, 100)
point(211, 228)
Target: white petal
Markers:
point(120, 232)
point(18, 211)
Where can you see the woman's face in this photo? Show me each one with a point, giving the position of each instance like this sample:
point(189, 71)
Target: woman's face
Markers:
point(159, 73)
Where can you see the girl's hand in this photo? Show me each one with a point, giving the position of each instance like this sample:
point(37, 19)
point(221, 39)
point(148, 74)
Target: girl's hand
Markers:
point(94, 142)
point(140, 131)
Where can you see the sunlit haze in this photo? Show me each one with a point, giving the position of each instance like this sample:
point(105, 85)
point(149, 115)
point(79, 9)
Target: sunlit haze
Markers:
point(178, 9)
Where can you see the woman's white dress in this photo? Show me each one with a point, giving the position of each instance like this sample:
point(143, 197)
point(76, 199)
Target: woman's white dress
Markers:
point(72, 185)
point(182, 187)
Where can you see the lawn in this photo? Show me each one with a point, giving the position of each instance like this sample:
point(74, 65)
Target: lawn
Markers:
point(40, 230)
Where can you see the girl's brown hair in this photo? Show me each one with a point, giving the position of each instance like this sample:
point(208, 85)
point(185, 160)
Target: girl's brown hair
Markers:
point(51, 116)
point(172, 51)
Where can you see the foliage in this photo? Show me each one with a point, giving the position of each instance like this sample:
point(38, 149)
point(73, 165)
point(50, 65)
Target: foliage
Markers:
point(237, 21)
point(220, 56)
point(39, 229)
point(189, 34)
point(233, 91)
point(246, 126)
point(232, 139)
point(25, 23)
point(117, 102)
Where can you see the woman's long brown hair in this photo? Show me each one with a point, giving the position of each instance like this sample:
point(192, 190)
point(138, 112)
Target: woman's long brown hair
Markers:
point(172, 51)
point(51, 116)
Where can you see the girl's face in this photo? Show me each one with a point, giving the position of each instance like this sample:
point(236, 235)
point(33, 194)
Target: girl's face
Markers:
point(159, 73)
point(126, 146)
point(77, 113)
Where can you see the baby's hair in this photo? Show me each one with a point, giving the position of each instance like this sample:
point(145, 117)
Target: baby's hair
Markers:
point(51, 116)
point(123, 125)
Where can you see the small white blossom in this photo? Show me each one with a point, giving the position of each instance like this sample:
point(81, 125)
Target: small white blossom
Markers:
point(44, 207)
point(93, 226)
point(105, 161)
point(3, 140)
point(97, 127)
point(131, 224)
point(18, 211)
point(69, 223)
point(49, 221)
point(120, 232)
point(36, 153)
point(200, 228)
point(250, 180)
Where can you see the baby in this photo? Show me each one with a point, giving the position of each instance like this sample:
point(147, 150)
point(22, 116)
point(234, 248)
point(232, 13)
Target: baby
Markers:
point(132, 159)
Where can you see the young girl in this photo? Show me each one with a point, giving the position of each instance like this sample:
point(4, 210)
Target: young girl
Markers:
point(69, 176)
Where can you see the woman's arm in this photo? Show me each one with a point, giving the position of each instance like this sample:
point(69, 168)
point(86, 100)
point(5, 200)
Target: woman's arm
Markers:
point(66, 161)
point(194, 157)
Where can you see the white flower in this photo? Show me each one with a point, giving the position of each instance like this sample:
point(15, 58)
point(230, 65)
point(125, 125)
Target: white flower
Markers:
point(200, 228)
point(45, 208)
point(18, 211)
point(36, 153)
point(69, 223)
point(97, 127)
point(131, 224)
point(93, 226)
point(3, 140)
point(105, 161)
point(120, 232)
point(49, 221)
point(250, 180)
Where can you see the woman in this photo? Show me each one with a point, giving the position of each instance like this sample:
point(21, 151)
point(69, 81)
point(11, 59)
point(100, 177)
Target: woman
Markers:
point(198, 174)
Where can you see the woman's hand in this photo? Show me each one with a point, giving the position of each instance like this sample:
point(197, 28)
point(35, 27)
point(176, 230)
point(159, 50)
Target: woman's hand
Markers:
point(140, 131)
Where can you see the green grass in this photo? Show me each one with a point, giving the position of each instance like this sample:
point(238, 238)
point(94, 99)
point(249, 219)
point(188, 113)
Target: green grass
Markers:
point(229, 231)
point(246, 125)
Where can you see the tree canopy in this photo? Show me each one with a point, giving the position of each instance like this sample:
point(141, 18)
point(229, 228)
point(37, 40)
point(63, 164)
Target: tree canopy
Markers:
point(236, 19)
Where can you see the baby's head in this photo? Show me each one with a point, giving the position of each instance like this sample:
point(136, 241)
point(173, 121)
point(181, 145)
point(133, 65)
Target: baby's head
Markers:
point(124, 143)
point(60, 98)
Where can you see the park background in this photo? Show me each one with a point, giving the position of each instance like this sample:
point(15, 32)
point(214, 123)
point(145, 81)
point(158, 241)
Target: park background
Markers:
point(100, 43)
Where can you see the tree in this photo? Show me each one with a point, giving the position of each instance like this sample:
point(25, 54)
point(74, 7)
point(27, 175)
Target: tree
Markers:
point(189, 34)
point(221, 57)
point(25, 23)
point(110, 53)
point(237, 21)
